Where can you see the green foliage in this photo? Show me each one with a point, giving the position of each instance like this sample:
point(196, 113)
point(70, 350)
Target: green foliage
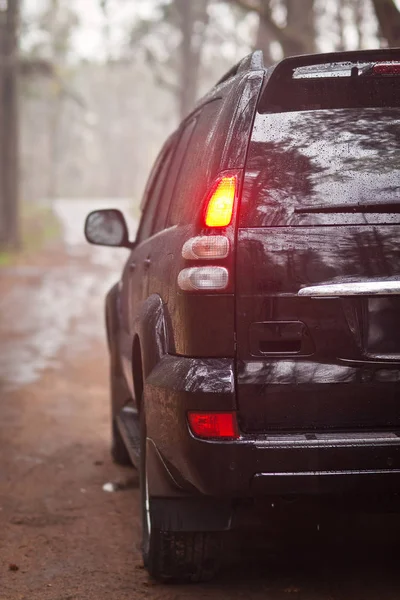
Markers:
point(39, 227)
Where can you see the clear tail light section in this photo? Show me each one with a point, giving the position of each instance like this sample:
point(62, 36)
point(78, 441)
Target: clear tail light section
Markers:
point(206, 247)
point(218, 212)
point(205, 279)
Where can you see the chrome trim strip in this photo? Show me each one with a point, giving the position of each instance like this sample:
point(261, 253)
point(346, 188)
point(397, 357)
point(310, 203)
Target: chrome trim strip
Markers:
point(330, 440)
point(356, 288)
point(329, 473)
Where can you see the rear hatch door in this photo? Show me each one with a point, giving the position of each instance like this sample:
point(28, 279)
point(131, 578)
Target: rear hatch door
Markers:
point(318, 271)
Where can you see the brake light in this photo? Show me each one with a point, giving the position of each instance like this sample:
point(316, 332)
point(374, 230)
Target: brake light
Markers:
point(214, 425)
point(219, 209)
point(386, 68)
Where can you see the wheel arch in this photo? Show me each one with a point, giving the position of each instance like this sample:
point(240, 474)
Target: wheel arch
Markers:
point(149, 343)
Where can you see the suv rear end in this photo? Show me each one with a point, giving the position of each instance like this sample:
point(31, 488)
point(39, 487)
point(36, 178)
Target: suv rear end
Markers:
point(313, 275)
point(266, 341)
point(286, 379)
point(318, 260)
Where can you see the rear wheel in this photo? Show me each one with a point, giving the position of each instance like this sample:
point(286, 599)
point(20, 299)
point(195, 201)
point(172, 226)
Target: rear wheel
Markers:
point(118, 391)
point(174, 556)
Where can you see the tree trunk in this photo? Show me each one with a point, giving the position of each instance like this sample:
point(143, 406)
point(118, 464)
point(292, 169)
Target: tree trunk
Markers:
point(388, 16)
point(190, 14)
point(300, 27)
point(9, 212)
point(341, 45)
point(298, 35)
point(263, 42)
point(359, 21)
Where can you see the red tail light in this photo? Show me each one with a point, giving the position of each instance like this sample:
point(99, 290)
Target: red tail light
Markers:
point(386, 68)
point(220, 205)
point(214, 425)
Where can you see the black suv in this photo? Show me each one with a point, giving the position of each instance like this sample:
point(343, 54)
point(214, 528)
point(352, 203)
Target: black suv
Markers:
point(255, 332)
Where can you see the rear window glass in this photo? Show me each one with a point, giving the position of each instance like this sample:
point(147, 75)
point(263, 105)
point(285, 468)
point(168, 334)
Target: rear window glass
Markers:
point(323, 167)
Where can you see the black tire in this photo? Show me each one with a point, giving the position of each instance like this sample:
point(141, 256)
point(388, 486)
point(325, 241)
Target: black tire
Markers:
point(118, 391)
point(175, 557)
point(119, 453)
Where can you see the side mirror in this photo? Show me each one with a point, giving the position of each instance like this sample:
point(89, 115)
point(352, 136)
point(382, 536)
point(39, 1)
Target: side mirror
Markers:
point(107, 228)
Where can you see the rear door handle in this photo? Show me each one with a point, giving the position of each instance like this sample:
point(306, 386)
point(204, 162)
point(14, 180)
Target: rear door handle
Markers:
point(147, 262)
point(132, 266)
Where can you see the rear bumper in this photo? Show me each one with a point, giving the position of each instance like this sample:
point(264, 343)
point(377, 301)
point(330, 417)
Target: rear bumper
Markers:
point(327, 482)
point(256, 465)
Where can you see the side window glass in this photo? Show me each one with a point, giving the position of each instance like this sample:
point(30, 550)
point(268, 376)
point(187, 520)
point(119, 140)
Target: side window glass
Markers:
point(199, 165)
point(174, 172)
point(154, 194)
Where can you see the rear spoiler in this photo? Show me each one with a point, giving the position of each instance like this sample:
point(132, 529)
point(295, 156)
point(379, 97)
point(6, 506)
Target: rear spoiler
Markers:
point(284, 69)
point(296, 83)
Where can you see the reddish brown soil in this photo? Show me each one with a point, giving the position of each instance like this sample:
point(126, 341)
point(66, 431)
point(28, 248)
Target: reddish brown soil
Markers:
point(63, 538)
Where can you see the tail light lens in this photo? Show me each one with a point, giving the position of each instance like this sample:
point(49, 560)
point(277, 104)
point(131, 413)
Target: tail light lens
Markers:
point(206, 247)
point(219, 209)
point(203, 278)
point(386, 68)
point(214, 425)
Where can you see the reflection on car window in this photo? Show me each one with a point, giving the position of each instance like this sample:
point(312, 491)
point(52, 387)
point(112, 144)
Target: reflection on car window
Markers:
point(154, 194)
point(319, 158)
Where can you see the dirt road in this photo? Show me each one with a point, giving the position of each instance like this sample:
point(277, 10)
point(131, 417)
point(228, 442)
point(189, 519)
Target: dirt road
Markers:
point(61, 536)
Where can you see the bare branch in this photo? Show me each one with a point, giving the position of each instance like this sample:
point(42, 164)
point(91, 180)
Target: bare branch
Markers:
point(284, 35)
point(249, 5)
point(29, 66)
point(158, 73)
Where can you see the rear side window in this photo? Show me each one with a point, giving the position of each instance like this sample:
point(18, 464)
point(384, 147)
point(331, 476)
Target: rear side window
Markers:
point(154, 194)
point(176, 164)
point(200, 165)
point(327, 166)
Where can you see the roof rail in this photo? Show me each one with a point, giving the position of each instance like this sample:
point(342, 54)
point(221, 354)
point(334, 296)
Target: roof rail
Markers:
point(251, 62)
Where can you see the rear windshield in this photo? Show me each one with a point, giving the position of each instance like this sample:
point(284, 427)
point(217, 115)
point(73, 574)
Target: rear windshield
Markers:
point(323, 167)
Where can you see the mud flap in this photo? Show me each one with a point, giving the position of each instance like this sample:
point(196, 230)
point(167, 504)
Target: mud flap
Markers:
point(178, 507)
point(191, 514)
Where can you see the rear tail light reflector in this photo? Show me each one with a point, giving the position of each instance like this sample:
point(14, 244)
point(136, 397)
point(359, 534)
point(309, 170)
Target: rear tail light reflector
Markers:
point(203, 278)
point(220, 205)
point(206, 247)
point(214, 425)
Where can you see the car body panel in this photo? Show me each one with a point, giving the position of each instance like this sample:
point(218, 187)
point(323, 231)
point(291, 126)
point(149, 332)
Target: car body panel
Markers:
point(314, 382)
point(295, 353)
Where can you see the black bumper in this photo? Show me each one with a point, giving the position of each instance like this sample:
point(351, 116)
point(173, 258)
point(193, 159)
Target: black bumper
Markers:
point(256, 465)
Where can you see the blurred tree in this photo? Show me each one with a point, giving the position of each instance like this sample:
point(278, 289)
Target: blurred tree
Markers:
point(9, 230)
point(180, 27)
point(296, 34)
point(388, 16)
point(192, 20)
point(58, 22)
point(263, 41)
